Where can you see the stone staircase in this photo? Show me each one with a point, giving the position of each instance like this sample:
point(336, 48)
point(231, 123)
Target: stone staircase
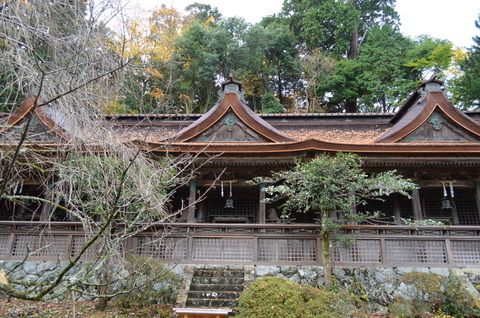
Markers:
point(216, 287)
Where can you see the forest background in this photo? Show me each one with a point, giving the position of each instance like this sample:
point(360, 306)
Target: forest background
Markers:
point(312, 56)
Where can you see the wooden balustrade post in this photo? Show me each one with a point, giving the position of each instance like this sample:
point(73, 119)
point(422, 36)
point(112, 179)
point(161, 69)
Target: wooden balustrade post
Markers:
point(383, 251)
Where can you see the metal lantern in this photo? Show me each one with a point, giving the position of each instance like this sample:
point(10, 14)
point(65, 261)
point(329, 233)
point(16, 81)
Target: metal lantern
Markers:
point(446, 203)
point(229, 203)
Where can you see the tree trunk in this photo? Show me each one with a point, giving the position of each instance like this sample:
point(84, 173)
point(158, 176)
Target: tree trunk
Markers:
point(327, 266)
point(351, 106)
point(353, 50)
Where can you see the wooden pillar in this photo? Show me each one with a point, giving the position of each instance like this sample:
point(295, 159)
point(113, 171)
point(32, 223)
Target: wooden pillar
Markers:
point(396, 209)
point(417, 206)
point(46, 211)
point(455, 219)
point(477, 196)
point(191, 202)
point(261, 205)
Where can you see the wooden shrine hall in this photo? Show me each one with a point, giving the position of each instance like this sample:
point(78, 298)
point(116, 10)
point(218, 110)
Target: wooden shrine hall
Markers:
point(427, 140)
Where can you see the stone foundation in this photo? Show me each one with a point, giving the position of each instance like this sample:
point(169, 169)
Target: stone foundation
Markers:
point(380, 285)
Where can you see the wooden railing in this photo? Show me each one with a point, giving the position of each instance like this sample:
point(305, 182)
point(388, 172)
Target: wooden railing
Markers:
point(292, 244)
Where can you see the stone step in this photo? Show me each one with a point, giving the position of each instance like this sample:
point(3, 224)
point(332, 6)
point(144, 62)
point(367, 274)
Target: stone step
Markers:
point(219, 303)
point(217, 280)
point(218, 273)
point(216, 287)
point(213, 295)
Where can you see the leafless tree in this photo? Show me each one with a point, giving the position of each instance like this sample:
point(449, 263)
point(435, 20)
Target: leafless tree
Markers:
point(62, 59)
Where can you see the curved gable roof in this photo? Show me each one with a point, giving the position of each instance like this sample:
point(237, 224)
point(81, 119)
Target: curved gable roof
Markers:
point(420, 111)
point(33, 103)
point(233, 117)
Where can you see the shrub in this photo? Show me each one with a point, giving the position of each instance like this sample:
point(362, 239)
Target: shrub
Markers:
point(444, 296)
point(457, 301)
point(278, 297)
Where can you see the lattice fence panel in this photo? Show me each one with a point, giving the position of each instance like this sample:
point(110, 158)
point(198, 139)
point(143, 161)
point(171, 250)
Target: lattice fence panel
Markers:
point(160, 248)
point(465, 252)
point(4, 239)
point(467, 212)
point(403, 251)
point(290, 250)
point(362, 251)
point(239, 249)
point(24, 244)
point(54, 246)
point(77, 244)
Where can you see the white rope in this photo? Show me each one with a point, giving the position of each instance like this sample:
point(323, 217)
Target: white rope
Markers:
point(451, 189)
point(445, 194)
point(221, 182)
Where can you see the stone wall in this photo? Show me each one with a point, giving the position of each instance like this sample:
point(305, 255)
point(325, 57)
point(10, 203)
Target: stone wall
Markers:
point(380, 285)
point(41, 272)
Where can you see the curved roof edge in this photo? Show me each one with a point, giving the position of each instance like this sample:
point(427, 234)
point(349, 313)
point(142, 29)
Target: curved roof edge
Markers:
point(420, 106)
point(231, 101)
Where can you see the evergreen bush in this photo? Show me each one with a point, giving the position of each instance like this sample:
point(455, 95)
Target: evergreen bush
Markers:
point(277, 297)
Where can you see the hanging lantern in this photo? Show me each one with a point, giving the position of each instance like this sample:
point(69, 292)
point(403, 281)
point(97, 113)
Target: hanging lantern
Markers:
point(446, 200)
point(446, 203)
point(229, 201)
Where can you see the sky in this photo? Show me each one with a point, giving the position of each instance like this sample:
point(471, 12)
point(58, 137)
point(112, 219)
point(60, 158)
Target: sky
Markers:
point(445, 19)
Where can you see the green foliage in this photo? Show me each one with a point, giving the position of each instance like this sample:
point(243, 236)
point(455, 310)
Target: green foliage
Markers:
point(152, 283)
point(467, 86)
point(423, 222)
point(435, 293)
point(430, 54)
point(329, 184)
point(425, 283)
point(346, 241)
point(457, 300)
point(270, 104)
point(332, 183)
point(278, 297)
point(385, 79)
point(203, 12)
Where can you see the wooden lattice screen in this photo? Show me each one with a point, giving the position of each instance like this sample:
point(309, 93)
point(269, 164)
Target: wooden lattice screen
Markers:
point(418, 251)
point(247, 209)
point(231, 249)
point(168, 248)
point(466, 252)
point(361, 251)
point(287, 250)
point(467, 212)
